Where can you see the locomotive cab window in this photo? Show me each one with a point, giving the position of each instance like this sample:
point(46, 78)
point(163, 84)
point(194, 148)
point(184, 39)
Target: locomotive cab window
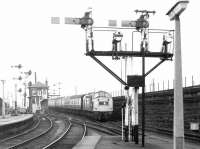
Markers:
point(101, 94)
point(103, 103)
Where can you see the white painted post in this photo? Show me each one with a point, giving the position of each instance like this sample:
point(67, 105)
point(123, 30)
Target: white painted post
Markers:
point(133, 111)
point(127, 113)
point(133, 107)
point(129, 123)
point(136, 106)
point(136, 116)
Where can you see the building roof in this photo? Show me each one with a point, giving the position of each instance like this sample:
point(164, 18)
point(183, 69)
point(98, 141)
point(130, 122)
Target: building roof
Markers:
point(39, 85)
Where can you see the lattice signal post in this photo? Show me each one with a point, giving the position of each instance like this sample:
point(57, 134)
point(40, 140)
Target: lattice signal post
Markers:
point(141, 25)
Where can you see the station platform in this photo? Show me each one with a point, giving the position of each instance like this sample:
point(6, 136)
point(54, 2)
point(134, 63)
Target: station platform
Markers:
point(8, 119)
point(11, 125)
point(115, 142)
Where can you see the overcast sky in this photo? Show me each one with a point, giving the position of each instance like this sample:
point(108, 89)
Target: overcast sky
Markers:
point(56, 52)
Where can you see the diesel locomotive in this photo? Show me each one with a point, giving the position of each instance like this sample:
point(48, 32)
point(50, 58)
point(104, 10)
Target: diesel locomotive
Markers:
point(96, 105)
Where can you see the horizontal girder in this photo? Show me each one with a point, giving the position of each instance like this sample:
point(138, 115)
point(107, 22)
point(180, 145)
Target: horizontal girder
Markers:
point(131, 54)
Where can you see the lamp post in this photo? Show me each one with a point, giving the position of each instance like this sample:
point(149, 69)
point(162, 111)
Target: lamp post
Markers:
point(174, 14)
point(3, 103)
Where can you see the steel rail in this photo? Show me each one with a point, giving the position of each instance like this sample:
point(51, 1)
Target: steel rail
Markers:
point(85, 131)
point(58, 139)
point(65, 133)
point(33, 138)
point(110, 130)
point(23, 133)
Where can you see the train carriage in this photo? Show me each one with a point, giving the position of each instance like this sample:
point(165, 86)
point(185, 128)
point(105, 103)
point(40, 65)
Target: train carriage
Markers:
point(87, 102)
point(75, 102)
point(96, 105)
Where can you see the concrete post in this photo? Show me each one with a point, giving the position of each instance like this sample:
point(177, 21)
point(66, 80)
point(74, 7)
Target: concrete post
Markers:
point(178, 91)
point(174, 14)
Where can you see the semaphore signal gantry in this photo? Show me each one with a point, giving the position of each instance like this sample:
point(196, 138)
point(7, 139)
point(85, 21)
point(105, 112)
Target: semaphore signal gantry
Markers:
point(141, 25)
point(133, 82)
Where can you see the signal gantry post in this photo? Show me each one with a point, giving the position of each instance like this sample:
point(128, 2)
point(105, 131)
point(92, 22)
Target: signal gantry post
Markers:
point(141, 25)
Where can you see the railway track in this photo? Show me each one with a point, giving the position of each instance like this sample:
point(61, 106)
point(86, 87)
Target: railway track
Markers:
point(114, 128)
point(72, 135)
point(18, 140)
point(188, 136)
point(56, 129)
point(47, 131)
point(96, 125)
point(37, 122)
point(103, 128)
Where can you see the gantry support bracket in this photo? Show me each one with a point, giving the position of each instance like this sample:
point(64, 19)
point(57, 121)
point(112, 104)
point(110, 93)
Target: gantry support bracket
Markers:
point(159, 63)
point(93, 53)
point(108, 70)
